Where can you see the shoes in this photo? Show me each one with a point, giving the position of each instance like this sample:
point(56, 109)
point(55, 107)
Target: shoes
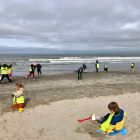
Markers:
point(21, 109)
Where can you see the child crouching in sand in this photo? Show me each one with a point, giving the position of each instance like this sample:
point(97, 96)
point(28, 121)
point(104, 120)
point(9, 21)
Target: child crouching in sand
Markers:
point(113, 122)
point(18, 98)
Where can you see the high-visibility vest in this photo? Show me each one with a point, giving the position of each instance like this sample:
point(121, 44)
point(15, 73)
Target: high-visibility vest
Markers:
point(18, 100)
point(4, 70)
point(97, 65)
point(105, 125)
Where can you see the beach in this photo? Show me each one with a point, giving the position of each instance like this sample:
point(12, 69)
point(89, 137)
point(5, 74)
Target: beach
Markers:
point(56, 102)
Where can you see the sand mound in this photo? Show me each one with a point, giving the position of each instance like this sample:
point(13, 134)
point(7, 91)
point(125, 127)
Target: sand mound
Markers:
point(59, 120)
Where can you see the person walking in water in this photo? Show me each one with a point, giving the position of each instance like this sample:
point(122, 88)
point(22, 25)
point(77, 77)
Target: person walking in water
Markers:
point(4, 73)
point(80, 71)
point(10, 70)
point(18, 98)
point(38, 66)
point(133, 67)
point(31, 71)
point(97, 65)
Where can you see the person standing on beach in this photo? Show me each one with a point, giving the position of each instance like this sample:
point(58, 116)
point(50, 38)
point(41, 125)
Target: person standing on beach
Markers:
point(106, 68)
point(4, 73)
point(31, 71)
point(18, 98)
point(38, 66)
point(97, 65)
point(80, 71)
point(133, 67)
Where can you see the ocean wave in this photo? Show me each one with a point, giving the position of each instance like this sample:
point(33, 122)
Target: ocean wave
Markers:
point(67, 60)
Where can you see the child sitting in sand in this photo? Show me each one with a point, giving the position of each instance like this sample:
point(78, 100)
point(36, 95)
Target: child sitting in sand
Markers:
point(18, 98)
point(113, 122)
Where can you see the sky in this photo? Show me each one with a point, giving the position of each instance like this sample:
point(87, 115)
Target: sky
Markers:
point(69, 25)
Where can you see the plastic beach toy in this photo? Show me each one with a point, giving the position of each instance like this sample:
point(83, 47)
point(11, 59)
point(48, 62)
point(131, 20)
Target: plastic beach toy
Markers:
point(93, 117)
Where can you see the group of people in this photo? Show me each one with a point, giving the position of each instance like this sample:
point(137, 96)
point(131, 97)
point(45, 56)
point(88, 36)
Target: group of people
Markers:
point(18, 95)
point(7, 71)
point(32, 70)
point(97, 66)
point(110, 124)
point(83, 69)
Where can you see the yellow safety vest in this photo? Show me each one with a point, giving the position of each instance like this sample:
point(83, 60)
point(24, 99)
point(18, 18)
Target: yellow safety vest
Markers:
point(18, 100)
point(4, 70)
point(98, 65)
point(105, 125)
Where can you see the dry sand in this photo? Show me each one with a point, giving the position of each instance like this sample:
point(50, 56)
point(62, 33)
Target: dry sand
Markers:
point(55, 103)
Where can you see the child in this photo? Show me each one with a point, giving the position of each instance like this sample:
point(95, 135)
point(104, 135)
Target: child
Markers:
point(18, 98)
point(80, 71)
point(113, 121)
point(105, 68)
point(31, 72)
point(133, 67)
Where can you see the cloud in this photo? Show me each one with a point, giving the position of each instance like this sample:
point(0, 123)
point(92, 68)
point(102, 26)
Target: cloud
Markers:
point(130, 26)
point(84, 24)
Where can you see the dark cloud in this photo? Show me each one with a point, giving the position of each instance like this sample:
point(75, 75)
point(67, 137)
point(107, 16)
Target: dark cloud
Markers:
point(75, 23)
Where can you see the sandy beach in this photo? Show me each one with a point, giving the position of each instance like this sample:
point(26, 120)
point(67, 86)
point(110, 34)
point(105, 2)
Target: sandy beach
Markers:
point(55, 103)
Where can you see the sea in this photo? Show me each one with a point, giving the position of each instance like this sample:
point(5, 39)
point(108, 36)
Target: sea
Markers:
point(53, 64)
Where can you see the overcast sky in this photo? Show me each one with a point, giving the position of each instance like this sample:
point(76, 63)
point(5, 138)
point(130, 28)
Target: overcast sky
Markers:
point(65, 25)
